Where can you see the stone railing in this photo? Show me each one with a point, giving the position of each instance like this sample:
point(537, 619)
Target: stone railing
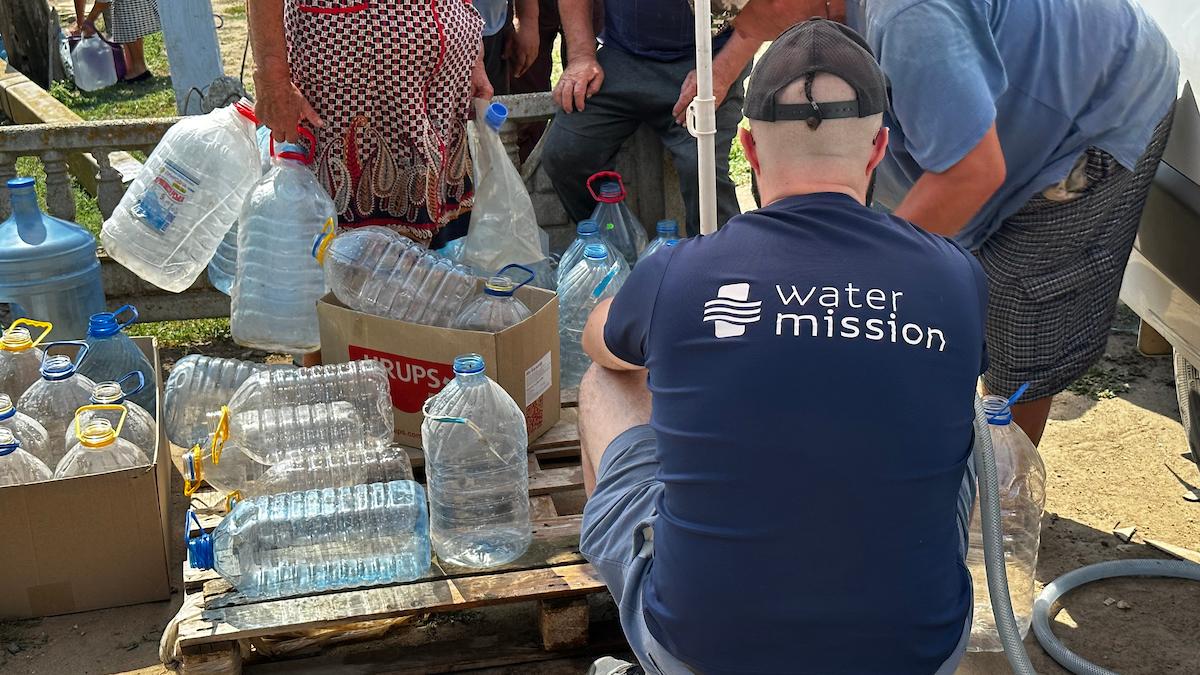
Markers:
point(652, 187)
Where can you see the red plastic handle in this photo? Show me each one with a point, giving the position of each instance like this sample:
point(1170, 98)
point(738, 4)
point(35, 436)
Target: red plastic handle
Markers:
point(312, 148)
point(606, 174)
point(246, 110)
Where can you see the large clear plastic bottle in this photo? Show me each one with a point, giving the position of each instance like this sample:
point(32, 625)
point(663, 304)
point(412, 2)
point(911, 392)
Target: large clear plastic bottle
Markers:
point(319, 540)
point(496, 308)
point(139, 427)
point(274, 300)
point(668, 231)
point(267, 433)
point(112, 355)
point(92, 63)
point(100, 448)
point(592, 280)
point(376, 271)
point(586, 232)
point(230, 469)
point(185, 198)
point(197, 388)
point(476, 463)
point(28, 431)
point(53, 400)
point(18, 467)
point(20, 359)
point(617, 223)
point(222, 269)
point(1022, 478)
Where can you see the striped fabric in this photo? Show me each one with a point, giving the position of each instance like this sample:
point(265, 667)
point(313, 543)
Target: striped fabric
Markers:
point(133, 20)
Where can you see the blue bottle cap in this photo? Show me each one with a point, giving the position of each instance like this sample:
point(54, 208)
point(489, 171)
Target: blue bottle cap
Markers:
point(667, 227)
point(587, 226)
point(495, 115)
point(21, 183)
point(595, 251)
point(468, 364)
point(105, 324)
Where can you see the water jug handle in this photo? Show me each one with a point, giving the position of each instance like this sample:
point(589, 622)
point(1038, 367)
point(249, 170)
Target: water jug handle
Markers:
point(141, 383)
point(246, 109)
point(190, 519)
point(531, 273)
point(606, 174)
point(1017, 394)
point(193, 471)
point(323, 240)
point(120, 422)
point(79, 355)
point(220, 435)
point(308, 158)
point(612, 272)
point(46, 327)
point(133, 316)
point(232, 499)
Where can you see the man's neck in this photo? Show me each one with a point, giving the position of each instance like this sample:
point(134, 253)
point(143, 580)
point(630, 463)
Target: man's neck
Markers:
point(774, 194)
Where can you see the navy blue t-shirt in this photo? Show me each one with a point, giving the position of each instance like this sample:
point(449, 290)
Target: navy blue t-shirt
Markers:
point(662, 30)
point(813, 366)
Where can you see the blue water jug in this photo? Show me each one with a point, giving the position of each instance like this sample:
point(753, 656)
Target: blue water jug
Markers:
point(48, 267)
point(112, 355)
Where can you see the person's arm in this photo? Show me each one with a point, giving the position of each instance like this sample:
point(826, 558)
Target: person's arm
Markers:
point(525, 41)
point(88, 27)
point(583, 75)
point(727, 66)
point(764, 20)
point(593, 341)
point(943, 203)
point(278, 103)
point(481, 86)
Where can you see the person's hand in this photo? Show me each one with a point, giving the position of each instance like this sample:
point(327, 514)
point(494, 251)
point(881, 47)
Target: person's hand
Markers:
point(481, 87)
point(580, 80)
point(88, 29)
point(521, 50)
point(721, 84)
point(281, 107)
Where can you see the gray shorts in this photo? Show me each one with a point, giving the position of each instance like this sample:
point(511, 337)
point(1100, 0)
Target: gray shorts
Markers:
point(617, 537)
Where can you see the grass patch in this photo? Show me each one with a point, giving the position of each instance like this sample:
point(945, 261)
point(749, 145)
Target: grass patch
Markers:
point(236, 10)
point(87, 212)
point(1110, 377)
point(739, 166)
point(184, 333)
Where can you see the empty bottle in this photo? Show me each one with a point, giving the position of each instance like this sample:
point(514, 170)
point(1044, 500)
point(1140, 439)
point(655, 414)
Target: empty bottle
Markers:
point(139, 427)
point(93, 65)
point(476, 463)
point(230, 471)
point(18, 467)
point(376, 271)
point(223, 267)
point(185, 198)
point(319, 540)
point(668, 230)
point(1022, 478)
point(20, 359)
point(53, 400)
point(497, 308)
point(302, 469)
point(196, 390)
point(100, 448)
point(112, 355)
point(48, 267)
point(267, 433)
point(25, 429)
point(617, 223)
point(592, 280)
point(274, 304)
point(587, 232)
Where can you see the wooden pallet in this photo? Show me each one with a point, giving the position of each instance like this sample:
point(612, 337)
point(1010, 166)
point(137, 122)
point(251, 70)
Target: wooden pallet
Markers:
point(218, 624)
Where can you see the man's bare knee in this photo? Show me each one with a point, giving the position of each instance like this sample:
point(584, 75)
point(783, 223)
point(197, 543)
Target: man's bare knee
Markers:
point(610, 403)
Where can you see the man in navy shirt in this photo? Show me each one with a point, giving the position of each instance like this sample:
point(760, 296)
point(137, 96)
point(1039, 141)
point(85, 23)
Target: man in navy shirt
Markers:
point(644, 72)
point(777, 427)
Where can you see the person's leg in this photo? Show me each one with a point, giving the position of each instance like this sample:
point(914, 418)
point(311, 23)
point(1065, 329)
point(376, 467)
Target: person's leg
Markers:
point(580, 144)
point(610, 403)
point(135, 58)
point(494, 63)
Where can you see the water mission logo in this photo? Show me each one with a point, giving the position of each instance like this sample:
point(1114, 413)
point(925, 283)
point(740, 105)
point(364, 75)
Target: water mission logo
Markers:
point(732, 310)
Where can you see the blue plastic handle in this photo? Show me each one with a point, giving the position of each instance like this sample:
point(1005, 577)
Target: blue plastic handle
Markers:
point(531, 273)
point(188, 519)
point(141, 379)
point(79, 356)
point(132, 318)
point(1016, 395)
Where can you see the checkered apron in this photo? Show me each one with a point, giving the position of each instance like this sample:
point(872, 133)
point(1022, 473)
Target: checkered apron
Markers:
point(1054, 271)
point(133, 20)
point(391, 80)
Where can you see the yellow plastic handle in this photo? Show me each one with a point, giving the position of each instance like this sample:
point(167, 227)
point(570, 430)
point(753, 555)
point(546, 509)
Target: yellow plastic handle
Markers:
point(220, 435)
point(116, 430)
point(191, 485)
point(231, 499)
point(324, 240)
point(46, 327)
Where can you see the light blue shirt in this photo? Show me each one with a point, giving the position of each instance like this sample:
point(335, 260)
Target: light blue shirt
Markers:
point(1056, 76)
point(494, 13)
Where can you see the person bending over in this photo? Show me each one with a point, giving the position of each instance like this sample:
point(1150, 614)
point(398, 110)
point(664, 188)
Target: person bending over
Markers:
point(777, 426)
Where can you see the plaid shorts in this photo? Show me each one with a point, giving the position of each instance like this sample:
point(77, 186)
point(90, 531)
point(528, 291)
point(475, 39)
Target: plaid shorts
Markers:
point(1054, 271)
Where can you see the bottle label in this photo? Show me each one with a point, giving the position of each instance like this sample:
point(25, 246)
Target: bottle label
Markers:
point(165, 196)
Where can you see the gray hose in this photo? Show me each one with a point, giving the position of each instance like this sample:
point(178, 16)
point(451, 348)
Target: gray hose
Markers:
point(993, 546)
point(1042, 608)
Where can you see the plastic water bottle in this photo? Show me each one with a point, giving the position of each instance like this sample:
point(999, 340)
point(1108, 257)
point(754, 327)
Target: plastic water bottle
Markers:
point(268, 433)
point(18, 467)
point(223, 267)
point(48, 267)
point(230, 471)
point(278, 281)
point(1022, 478)
point(617, 223)
point(93, 65)
point(196, 390)
point(319, 540)
point(595, 278)
point(586, 232)
point(476, 448)
point(139, 427)
point(497, 308)
point(186, 197)
point(25, 429)
point(668, 230)
point(20, 359)
point(100, 448)
point(376, 271)
point(112, 355)
point(53, 400)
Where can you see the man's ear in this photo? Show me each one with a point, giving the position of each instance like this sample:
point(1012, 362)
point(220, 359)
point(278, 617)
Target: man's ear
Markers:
point(879, 150)
point(751, 150)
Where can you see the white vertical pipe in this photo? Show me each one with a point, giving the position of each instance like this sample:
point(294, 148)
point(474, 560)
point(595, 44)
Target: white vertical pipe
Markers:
point(702, 119)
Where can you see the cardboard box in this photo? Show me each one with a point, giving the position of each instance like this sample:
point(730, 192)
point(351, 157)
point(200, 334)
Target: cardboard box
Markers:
point(419, 359)
point(89, 542)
